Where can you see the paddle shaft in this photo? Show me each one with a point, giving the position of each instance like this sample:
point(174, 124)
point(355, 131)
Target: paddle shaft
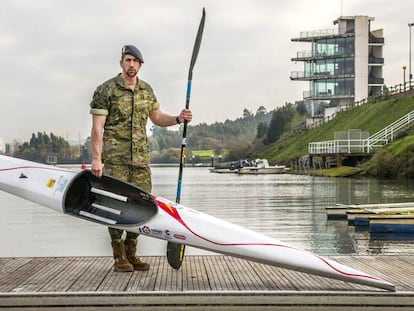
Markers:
point(187, 102)
point(175, 252)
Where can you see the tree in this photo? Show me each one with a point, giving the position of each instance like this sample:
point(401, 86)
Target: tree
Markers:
point(41, 145)
point(246, 113)
point(262, 130)
point(261, 110)
point(301, 108)
point(281, 118)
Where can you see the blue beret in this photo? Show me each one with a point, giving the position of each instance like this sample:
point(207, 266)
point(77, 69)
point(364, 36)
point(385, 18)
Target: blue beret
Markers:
point(132, 50)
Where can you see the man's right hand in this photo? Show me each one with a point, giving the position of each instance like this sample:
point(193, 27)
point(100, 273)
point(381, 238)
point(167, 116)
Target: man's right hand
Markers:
point(97, 168)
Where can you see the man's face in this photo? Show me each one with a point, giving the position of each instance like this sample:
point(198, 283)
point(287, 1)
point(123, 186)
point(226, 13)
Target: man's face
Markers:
point(130, 65)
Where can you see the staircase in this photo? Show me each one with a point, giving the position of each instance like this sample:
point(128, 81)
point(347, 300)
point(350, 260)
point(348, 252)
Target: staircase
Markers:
point(379, 139)
point(387, 134)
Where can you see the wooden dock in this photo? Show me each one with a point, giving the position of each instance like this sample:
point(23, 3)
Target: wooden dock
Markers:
point(203, 283)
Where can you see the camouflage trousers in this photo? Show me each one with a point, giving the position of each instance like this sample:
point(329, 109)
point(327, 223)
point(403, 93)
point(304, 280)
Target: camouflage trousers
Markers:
point(139, 176)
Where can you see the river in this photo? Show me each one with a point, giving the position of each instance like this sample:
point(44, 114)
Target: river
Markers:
point(290, 208)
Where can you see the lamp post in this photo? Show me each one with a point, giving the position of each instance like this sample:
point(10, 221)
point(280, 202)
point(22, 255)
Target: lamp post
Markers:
point(404, 67)
point(410, 75)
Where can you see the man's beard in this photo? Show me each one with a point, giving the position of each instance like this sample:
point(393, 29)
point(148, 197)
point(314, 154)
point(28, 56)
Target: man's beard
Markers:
point(131, 73)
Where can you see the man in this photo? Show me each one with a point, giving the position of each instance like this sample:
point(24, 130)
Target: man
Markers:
point(120, 109)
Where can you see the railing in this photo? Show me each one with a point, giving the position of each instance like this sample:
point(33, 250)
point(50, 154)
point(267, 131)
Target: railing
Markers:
point(324, 54)
point(375, 60)
point(376, 81)
point(317, 75)
point(379, 139)
point(319, 33)
point(338, 146)
point(388, 133)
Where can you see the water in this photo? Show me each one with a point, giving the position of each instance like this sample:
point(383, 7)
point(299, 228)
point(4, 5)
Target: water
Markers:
point(289, 208)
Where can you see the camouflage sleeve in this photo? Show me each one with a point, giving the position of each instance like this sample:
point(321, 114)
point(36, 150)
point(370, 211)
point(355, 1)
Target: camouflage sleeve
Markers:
point(100, 102)
point(154, 102)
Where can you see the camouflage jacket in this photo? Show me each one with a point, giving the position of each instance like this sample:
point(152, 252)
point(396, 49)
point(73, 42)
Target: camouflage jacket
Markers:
point(127, 111)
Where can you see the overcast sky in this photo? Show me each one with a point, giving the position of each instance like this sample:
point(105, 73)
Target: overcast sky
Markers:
point(53, 54)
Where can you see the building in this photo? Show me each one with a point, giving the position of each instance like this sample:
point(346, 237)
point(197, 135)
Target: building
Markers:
point(343, 66)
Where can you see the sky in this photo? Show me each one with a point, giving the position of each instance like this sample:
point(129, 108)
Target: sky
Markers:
point(54, 53)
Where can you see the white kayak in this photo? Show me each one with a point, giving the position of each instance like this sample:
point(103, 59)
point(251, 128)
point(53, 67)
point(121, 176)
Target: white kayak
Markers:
point(111, 202)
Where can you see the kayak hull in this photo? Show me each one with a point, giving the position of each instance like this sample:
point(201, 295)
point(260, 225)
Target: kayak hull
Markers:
point(112, 202)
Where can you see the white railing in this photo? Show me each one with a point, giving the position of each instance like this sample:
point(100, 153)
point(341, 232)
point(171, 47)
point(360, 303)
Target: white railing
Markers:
point(379, 139)
point(387, 134)
point(338, 146)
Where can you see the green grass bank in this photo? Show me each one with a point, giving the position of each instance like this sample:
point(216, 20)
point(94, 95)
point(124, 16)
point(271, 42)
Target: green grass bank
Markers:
point(372, 117)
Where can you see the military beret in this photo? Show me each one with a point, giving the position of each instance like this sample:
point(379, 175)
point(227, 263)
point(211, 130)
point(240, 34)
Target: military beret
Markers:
point(132, 50)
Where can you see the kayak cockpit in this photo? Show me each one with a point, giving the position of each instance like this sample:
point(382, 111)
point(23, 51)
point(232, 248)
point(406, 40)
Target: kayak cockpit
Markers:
point(108, 201)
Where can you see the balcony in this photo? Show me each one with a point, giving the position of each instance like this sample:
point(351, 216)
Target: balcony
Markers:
point(309, 36)
point(308, 55)
point(325, 95)
point(375, 60)
point(376, 81)
point(375, 40)
point(318, 75)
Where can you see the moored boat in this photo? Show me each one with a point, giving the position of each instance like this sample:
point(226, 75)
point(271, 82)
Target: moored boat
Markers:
point(345, 211)
point(261, 166)
point(395, 223)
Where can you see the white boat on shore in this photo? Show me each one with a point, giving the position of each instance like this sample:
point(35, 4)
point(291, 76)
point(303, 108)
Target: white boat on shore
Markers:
point(261, 166)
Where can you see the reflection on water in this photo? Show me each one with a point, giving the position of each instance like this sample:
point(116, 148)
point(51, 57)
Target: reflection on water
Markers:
point(287, 207)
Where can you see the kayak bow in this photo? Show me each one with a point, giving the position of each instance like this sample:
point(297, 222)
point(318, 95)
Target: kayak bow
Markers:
point(112, 202)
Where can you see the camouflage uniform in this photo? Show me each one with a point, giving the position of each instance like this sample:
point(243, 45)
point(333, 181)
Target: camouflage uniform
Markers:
point(125, 150)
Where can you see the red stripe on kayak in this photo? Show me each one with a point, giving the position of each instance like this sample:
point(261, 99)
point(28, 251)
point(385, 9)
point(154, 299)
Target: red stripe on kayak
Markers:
point(173, 212)
point(35, 167)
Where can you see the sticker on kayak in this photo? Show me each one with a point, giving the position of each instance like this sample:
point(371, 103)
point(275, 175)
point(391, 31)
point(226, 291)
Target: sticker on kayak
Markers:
point(50, 183)
point(62, 183)
point(180, 236)
point(145, 230)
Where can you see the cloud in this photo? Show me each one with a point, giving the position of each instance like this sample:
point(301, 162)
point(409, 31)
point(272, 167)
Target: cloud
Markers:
point(55, 52)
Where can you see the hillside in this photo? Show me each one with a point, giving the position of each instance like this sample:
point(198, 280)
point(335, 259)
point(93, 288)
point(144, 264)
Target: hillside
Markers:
point(371, 117)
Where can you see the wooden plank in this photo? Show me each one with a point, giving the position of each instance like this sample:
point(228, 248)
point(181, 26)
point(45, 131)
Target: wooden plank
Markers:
point(243, 274)
point(9, 265)
point(273, 278)
point(115, 281)
point(16, 280)
point(169, 279)
point(93, 275)
point(145, 280)
point(218, 273)
point(398, 269)
point(63, 280)
point(195, 275)
point(368, 265)
point(43, 276)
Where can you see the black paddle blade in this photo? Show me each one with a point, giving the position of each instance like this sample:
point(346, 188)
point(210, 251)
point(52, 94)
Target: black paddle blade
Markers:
point(197, 42)
point(175, 254)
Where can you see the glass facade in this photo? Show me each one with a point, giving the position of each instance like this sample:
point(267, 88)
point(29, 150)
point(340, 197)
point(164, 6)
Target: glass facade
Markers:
point(329, 65)
point(334, 47)
point(333, 87)
point(333, 74)
point(334, 66)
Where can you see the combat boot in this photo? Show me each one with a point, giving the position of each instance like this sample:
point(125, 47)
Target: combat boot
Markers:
point(131, 249)
point(121, 262)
